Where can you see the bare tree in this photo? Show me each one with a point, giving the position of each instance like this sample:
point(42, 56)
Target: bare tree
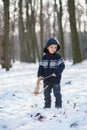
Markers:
point(47, 23)
point(41, 25)
point(59, 22)
point(74, 35)
point(28, 32)
point(6, 42)
point(32, 52)
point(21, 32)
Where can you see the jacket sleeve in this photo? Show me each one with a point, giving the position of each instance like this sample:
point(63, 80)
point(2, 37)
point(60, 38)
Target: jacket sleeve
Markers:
point(60, 66)
point(40, 69)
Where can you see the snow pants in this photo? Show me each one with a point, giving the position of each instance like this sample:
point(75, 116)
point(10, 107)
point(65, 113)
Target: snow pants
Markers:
point(57, 94)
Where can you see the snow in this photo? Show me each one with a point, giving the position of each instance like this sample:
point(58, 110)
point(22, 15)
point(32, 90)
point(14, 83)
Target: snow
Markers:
point(20, 109)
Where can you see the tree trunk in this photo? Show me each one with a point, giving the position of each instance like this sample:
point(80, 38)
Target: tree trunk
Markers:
point(74, 35)
point(7, 48)
point(21, 34)
point(28, 33)
point(61, 36)
point(33, 40)
point(41, 25)
point(59, 20)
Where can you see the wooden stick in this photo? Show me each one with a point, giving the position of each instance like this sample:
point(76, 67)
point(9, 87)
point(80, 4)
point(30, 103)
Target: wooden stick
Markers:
point(29, 90)
point(43, 89)
point(46, 77)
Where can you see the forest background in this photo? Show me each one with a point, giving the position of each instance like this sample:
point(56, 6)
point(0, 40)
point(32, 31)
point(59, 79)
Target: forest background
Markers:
point(26, 25)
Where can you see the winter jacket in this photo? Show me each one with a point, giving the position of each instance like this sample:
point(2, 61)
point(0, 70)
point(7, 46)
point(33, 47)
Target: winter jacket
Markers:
point(51, 64)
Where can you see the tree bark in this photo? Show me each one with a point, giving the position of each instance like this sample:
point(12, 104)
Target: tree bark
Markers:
point(59, 21)
point(21, 34)
point(7, 48)
point(41, 25)
point(74, 35)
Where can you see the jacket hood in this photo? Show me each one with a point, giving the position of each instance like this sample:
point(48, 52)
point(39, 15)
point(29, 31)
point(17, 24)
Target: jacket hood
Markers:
point(50, 42)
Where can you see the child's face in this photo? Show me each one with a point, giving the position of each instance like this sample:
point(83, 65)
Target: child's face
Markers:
point(52, 48)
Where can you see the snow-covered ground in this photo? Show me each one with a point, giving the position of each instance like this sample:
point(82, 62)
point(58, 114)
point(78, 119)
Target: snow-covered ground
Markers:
point(21, 110)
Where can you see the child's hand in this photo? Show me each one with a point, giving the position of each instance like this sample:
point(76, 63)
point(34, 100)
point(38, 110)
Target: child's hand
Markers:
point(54, 75)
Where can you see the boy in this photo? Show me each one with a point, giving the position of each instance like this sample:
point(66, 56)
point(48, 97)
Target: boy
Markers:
point(51, 65)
